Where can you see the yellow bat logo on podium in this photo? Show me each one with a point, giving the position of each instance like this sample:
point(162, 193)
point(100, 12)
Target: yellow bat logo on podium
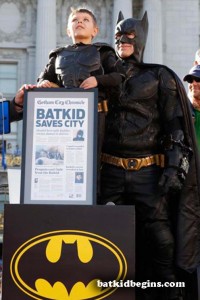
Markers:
point(66, 265)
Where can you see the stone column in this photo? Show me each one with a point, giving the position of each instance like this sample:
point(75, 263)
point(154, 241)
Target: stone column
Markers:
point(45, 32)
point(125, 6)
point(154, 47)
point(31, 65)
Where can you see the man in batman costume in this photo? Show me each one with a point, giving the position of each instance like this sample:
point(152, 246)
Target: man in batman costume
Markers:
point(150, 160)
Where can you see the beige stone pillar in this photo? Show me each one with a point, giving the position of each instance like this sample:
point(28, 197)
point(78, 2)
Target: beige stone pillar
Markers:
point(154, 47)
point(45, 32)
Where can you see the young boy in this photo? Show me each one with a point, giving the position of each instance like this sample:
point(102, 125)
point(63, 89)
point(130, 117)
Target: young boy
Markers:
point(83, 64)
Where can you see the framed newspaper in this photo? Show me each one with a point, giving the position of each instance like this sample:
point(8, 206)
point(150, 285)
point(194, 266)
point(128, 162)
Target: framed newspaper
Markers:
point(59, 146)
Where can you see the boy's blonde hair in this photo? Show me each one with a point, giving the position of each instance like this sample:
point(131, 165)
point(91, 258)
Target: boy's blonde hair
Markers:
point(83, 10)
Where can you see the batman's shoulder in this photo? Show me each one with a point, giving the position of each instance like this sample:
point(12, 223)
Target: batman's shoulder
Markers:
point(104, 47)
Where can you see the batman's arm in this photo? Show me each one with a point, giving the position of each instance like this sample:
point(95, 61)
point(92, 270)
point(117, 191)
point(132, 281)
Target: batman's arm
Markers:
point(175, 147)
point(111, 77)
point(170, 108)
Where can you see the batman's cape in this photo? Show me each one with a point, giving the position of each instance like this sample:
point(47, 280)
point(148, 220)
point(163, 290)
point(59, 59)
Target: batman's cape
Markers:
point(188, 226)
point(187, 231)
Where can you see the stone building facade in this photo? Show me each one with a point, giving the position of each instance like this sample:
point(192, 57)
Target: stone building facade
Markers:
point(29, 29)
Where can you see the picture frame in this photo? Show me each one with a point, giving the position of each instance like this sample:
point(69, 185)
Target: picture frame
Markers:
point(59, 146)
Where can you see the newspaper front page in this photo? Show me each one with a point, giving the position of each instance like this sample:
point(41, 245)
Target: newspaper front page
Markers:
point(59, 157)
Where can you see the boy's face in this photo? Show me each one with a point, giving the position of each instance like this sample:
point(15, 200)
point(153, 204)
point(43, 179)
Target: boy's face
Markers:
point(81, 28)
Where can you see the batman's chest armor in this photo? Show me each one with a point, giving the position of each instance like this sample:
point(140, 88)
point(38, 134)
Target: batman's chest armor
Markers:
point(76, 63)
point(140, 89)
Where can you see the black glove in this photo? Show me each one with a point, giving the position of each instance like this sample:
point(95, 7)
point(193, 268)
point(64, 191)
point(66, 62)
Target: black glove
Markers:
point(177, 163)
point(170, 181)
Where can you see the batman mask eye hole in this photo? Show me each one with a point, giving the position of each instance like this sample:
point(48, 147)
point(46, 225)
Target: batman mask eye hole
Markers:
point(130, 35)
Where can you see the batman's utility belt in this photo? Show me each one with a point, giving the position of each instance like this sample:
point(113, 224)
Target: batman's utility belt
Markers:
point(103, 106)
point(133, 164)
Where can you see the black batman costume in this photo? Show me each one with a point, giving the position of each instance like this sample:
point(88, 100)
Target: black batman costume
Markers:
point(69, 66)
point(150, 160)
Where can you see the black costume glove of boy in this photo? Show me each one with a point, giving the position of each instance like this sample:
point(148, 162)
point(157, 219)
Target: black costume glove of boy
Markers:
point(177, 163)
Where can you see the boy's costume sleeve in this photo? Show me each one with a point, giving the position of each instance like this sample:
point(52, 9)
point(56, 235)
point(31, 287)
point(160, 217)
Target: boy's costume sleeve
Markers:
point(49, 72)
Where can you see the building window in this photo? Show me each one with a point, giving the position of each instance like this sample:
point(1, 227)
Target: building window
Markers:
point(8, 78)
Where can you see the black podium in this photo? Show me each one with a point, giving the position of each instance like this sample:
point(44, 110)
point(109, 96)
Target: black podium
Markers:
point(68, 252)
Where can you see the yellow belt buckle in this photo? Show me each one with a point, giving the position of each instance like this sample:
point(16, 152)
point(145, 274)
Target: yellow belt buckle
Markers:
point(133, 164)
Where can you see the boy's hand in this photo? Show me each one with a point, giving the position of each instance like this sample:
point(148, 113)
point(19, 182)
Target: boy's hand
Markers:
point(89, 83)
point(47, 84)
